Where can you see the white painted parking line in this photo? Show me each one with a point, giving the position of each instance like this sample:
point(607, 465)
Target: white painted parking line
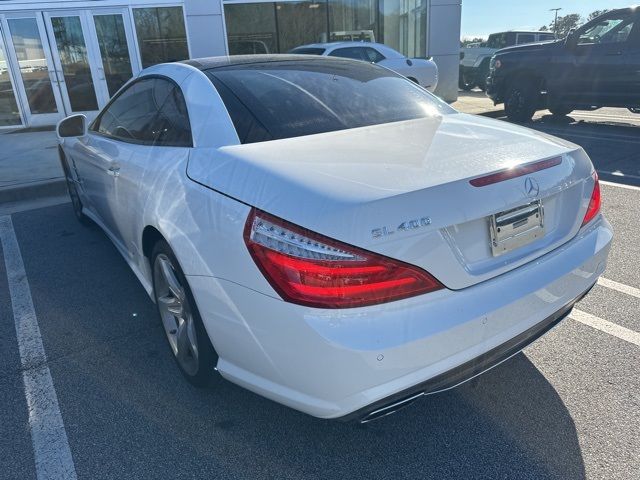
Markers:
point(51, 450)
point(606, 326)
point(620, 287)
point(619, 185)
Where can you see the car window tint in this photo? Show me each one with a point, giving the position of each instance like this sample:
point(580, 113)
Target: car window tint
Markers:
point(288, 99)
point(247, 126)
point(372, 55)
point(174, 128)
point(151, 111)
point(131, 115)
point(615, 29)
point(356, 53)
point(308, 51)
point(497, 40)
point(526, 38)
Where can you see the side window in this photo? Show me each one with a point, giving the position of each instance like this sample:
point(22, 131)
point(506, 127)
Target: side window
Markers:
point(131, 114)
point(355, 53)
point(614, 29)
point(172, 126)
point(247, 126)
point(373, 55)
point(526, 38)
point(497, 40)
point(150, 111)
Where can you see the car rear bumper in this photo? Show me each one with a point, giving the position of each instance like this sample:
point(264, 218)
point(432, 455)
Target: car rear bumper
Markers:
point(350, 363)
point(464, 372)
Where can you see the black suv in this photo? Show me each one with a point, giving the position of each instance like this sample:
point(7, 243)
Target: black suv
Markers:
point(596, 66)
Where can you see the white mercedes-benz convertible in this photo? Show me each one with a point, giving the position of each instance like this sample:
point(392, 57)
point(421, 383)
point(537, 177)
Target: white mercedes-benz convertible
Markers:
point(330, 235)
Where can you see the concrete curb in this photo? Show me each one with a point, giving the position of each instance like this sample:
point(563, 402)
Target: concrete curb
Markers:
point(35, 190)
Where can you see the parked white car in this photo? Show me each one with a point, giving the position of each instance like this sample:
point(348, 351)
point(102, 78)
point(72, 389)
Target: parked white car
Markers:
point(330, 235)
point(422, 71)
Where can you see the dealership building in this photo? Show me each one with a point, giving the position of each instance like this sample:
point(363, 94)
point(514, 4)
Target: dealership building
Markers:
point(63, 57)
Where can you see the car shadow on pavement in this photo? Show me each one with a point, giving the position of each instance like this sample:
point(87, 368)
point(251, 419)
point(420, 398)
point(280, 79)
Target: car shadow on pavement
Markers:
point(509, 423)
point(129, 413)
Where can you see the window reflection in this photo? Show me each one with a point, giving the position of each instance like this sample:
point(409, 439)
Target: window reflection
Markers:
point(300, 23)
point(353, 20)
point(114, 50)
point(75, 64)
point(9, 114)
point(251, 28)
point(33, 65)
point(279, 27)
point(161, 35)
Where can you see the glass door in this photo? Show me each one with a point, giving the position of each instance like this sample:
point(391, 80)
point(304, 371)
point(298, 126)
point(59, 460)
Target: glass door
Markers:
point(9, 111)
point(28, 57)
point(118, 58)
point(94, 56)
point(74, 60)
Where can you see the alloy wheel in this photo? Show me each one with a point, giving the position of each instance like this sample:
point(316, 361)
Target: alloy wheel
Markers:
point(175, 311)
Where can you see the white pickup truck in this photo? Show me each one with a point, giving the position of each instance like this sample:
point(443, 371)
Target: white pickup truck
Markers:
point(474, 58)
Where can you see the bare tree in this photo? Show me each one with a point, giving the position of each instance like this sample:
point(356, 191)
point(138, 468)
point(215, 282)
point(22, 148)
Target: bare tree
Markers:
point(565, 24)
point(596, 14)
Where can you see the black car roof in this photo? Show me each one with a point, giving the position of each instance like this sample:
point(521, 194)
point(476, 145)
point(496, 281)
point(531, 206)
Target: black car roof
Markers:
point(208, 63)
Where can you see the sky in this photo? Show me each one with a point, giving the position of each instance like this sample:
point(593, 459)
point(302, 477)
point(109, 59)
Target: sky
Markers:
point(482, 17)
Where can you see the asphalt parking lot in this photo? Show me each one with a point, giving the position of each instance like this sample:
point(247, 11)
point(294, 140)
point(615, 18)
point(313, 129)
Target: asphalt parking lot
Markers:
point(611, 136)
point(568, 407)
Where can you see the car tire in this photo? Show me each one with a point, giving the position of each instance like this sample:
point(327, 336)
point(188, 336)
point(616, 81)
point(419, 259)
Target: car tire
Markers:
point(484, 73)
point(521, 100)
point(465, 83)
point(76, 201)
point(188, 339)
point(560, 110)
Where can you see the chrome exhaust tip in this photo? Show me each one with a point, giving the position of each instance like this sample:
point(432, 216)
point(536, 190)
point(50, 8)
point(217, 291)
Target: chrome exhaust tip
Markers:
point(391, 408)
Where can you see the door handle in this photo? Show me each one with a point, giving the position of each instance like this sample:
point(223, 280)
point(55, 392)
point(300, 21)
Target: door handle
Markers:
point(613, 54)
point(114, 171)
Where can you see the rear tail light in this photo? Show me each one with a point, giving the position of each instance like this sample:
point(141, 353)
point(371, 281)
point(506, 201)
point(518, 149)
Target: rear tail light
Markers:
point(312, 270)
point(594, 203)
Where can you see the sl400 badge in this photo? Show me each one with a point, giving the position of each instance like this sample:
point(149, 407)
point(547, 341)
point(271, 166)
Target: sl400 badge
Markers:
point(403, 227)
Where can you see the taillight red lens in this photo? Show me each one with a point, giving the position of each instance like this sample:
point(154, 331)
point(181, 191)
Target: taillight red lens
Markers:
point(309, 269)
point(594, 203)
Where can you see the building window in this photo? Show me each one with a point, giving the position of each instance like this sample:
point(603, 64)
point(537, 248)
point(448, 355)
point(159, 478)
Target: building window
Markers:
point(161, 35)
point(355, 20)
point(251, 28)
point(282, 26)
point(300, 23)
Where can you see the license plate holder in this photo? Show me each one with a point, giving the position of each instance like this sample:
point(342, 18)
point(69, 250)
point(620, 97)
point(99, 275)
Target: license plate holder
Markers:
point(516, 227)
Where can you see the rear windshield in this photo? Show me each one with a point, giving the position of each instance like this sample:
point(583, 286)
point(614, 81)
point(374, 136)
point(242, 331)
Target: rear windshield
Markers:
point(308, 51)
point(284, 99)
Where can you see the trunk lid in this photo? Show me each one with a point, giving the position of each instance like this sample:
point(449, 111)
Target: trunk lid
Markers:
point(403, 189)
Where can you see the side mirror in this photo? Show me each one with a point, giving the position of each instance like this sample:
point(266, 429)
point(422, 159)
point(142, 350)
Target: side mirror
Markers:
point(571, 40)
point(72, 126)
